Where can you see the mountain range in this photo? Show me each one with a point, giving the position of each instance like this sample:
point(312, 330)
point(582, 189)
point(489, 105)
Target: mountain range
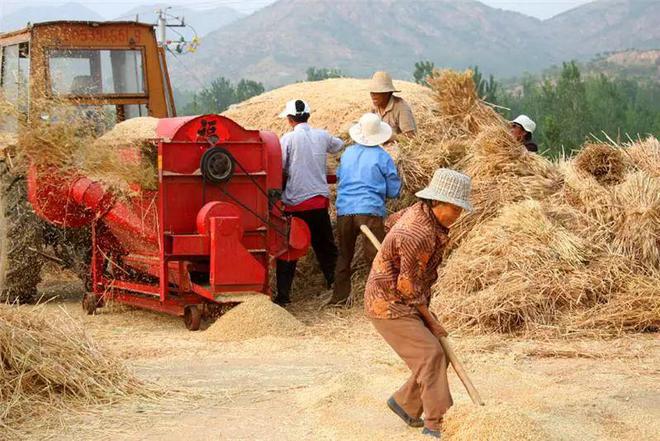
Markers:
point(278, 43)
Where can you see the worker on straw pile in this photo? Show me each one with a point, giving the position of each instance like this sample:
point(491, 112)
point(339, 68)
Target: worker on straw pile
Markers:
point(522, 128)
point(366, 177)
point(304, 156)
point(393, 110)
point(398, 292)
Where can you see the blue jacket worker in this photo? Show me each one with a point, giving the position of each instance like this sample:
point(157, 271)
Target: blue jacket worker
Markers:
point(366, 177)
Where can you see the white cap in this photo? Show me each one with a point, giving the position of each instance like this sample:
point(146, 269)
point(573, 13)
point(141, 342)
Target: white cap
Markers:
point(295, 108)
point(526, 123)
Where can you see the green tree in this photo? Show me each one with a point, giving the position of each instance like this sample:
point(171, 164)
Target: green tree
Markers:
point(324, 73)
point(486, 89)
point(423, 70)
point(220, 94)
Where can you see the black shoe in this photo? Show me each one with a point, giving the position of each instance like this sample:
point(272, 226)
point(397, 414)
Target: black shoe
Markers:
point(281, 302)
point(412, 422)
point(433, 433)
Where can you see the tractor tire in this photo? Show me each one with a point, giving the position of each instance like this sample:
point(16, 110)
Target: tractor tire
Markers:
point(20, 240)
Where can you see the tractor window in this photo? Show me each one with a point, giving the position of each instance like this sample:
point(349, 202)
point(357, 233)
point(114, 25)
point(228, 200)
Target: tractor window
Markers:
point(96, 72)
point(14, 78)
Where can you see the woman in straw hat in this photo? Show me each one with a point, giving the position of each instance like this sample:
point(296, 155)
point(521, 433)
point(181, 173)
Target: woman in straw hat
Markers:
point(393, 110)
point(366, 177)
point(398, 293)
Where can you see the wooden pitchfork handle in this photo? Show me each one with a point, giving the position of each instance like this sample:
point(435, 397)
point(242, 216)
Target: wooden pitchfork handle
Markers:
point(444, 342)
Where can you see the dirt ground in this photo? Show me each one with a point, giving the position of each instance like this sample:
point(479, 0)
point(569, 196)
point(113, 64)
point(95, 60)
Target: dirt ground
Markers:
point(332, 382)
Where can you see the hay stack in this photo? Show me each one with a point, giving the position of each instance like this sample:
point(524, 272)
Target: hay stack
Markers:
point(503, 172)
point(336, 104)
point(254, 318)
point(637, 218)
point(511, 273)
point(645, 155)
point(602, 161)
point(48, 361)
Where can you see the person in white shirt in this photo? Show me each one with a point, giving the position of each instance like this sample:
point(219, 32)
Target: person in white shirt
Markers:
point(306, 193)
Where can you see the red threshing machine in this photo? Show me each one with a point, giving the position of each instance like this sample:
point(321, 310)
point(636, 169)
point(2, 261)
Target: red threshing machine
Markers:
point(203, 239)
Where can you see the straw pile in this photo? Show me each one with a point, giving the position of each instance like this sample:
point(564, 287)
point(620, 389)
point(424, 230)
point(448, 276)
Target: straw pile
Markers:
point(48, 361)
point(254, 318)
point(513, 271)
point(492, 422)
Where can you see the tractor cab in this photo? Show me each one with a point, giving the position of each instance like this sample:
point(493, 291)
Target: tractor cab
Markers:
point(110, 71)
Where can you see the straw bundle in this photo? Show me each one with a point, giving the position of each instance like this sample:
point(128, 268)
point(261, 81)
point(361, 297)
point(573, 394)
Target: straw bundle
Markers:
point(602, 161)
point(583, 192)
point(459, 103)
point(637, 218)
point(512, 272)
point(47, 360)
point(645, 155)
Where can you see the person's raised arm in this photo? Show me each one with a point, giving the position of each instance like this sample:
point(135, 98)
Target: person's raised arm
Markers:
point(392, 180)
point(334, 144)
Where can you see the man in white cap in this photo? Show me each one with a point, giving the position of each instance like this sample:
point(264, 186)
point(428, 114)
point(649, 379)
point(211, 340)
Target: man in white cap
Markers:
point(366, 177)
point(306, 193)
point(393, 110)
point(522, 128)
point(398, 293)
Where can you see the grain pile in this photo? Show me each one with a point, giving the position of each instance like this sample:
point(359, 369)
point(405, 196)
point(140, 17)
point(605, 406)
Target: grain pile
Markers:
point(645, 155)
point(336, 105)
point(47, 361)
point(254, 318)
point(494, 422)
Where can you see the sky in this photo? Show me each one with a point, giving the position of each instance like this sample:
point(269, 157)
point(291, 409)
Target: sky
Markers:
point(111, 8)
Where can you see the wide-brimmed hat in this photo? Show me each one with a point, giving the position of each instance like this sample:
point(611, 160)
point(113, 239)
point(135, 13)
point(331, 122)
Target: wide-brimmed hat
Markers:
point(449, 186)
point(381, 82)
point(295, 108)
point(526, 123)
point(370, 130)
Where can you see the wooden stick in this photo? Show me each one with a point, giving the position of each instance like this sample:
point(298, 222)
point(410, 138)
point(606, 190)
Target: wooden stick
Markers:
point(444, 342)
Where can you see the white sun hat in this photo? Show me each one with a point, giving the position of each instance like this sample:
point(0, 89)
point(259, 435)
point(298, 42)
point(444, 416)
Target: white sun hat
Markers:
point(295, 108)
point(449, 186)
point(370, 130)
point(382, 82)
point(526, 123)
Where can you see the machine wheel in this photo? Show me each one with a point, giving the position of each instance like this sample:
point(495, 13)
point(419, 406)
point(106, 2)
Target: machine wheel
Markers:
point(20, 240)
point(192, 317)
point(89, 303)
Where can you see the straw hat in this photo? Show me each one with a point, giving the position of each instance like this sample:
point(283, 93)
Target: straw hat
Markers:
point(449, 186)
point(526, 123)
point(381, 82)
point(370, 130)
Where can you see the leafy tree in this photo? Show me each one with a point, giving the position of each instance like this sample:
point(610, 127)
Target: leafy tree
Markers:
point(423, 70)
point(220, 94)
point(324, 73)
point(486, 89)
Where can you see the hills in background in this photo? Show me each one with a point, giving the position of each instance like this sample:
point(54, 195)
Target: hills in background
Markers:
point(202, 20)
point(278, 43)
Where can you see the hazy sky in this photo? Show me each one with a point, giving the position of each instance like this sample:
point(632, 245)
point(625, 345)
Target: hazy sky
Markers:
point(112, 8)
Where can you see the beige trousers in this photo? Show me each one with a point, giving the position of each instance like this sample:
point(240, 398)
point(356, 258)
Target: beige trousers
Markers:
point(427, 390)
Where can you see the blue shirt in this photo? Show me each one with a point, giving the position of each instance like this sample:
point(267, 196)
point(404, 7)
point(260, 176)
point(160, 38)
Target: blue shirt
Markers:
point(366, 177)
